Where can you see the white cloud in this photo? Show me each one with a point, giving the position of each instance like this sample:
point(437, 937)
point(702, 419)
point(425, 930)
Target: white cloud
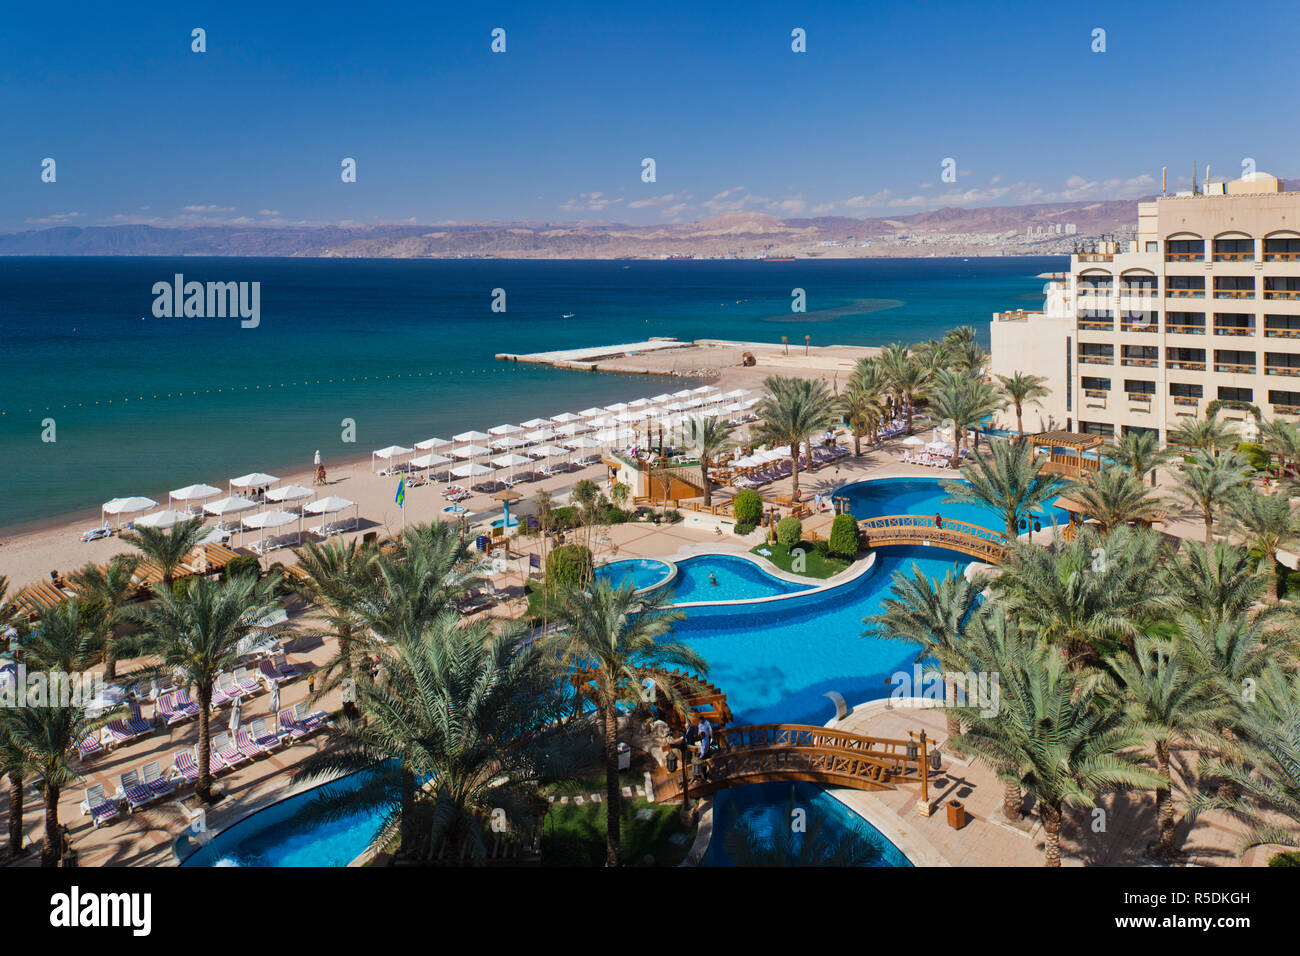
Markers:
point(56, 219)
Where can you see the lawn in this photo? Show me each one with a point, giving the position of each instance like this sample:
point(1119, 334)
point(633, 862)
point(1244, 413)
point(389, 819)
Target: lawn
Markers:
point(815, 565)
point(574, 835)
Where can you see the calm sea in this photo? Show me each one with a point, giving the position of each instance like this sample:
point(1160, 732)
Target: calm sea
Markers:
point(403, 348)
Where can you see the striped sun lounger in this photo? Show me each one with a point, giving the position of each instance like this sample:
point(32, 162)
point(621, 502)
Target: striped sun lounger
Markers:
point(133, 792)
point(270, 674)
point(137, 723)
point(100, 808)
point(290, 726)
point(311, 719)
point(247, 682)
point(262, 735)
point(187, 703)
point(224, 747)
point(184, 766)
point(246, 745)
point(151, 777)
point(117, 732)
point(88, 747)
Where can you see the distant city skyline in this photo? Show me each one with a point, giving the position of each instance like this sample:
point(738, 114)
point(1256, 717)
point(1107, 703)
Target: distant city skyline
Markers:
point(1012, 102)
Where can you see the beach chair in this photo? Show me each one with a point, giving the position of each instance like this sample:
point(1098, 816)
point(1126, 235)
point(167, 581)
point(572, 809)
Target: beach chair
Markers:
point(247, 682)
point(247, 746)
point(151, 777)
point(281, 663)
point(262, 736)
point(269, 674)
point(187, 703)
point(171, 711)
point(116, 732)
point(306, 717)
point(133, 792)
point(223, 746)
point(100, 808)
point(290, 726)
point(135, 722)
point(89, 747)
point(94, 534)
point(184, 766)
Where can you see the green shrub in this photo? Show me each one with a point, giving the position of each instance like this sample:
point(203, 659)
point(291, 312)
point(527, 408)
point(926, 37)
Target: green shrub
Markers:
point(616, 516)
point(744, 527)
point(1290, 858)
point(789, 531)
point(748, 506)
point(568, 565)
point(843, 541)
point(181, 587)
point(563, 519)
point(242, 564)
point(672, 515)
point(1255, 454)
point(823, 547)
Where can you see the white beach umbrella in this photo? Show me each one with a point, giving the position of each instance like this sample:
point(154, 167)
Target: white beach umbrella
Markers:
point(510, 441)
point(660, 399)
point(565, 417)
point(389, 454)
point(639, 402)
point(329, 505)
point(289, 493)
point(504, 430)
point(628, 418)
point(431, 443)
point(510, 461)
point(608, 436)
point(470, 451)
point(914, 440)
point(542, 434)
point(471, 470)
point(684, 393)
point(256, 479)
point(271, 519)
point(583, 442)
point(428, 461)
point(592, 412)
point(572, 429)
point(617, 407)
point(535, 422)
point(162, 519)
point(470, 436)
point(193, 493)
point(125, 506)
point(604, 421)
point(674, 407)
point(229, 506)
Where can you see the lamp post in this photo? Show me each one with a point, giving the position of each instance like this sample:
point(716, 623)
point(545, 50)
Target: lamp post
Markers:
point(923, 805)
point(785, 342)
point(806, 339)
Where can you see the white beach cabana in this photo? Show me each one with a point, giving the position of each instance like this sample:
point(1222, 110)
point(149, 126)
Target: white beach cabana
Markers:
point(470, 436)
point(125, 506)
point(509, 442)
point(535, 423)
point(617, 407)
point(470, 451)
point(252, 480)
point(226, 507)
point(331, 505)
point(540, 435)
point(389, 455)
point(192, 493)
point(471, 470)
point(565, 417)
point(289, 493)
point(429, 461)
point(684, 393)
point(510, 461)
point(272, 519)
point(505, 430)
point(431, 443)
point(162, 519)
point(592, 412)
point(549, 451)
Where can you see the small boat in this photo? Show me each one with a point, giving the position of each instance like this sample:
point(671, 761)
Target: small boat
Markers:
point(567, 315)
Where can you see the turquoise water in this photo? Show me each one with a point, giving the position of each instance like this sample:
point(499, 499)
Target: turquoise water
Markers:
point(403, 348)
point(502, 521)
point(639, 572)
point(925, 496)
point(736, 580)
point(764, 806)
point(282, 835)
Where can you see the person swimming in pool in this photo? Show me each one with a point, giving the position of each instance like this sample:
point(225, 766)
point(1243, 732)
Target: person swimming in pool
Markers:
point(713, 580)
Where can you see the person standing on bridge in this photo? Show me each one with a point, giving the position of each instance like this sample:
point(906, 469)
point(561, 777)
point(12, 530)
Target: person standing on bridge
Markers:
point(938, 521)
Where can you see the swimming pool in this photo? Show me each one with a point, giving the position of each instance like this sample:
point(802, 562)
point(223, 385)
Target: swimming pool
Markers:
point(925, 496)
point(284, 834)
point(763, 806)
point(641, 573)
point(737, 579)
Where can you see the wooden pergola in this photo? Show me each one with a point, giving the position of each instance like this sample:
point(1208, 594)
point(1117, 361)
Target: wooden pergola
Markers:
point(1066, 452)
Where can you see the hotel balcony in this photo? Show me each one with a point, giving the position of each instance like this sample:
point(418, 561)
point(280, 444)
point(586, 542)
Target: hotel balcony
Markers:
point(1184, 257)
point(1139, 362)
point(1097, 325)
point(1152, 326)
point(1236, 368)
point(1290, 370)
point(1234, 293)
point(1234, 330)
point(1141, 397)
point(1282, 293)
point(1095, 257)
point(1185, 329)
point(1185, 293)
point(1186, 401)
point(1282, 256)
point(1286, 409)
point(1234, 257)
point(1094, 393)
point(1185, 366)
point(1096, 360)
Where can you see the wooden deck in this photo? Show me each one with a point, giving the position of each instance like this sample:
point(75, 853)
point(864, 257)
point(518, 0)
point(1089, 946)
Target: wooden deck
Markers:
point(919, 530)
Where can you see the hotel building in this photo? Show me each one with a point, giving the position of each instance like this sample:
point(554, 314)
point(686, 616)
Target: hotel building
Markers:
point(1141, 336)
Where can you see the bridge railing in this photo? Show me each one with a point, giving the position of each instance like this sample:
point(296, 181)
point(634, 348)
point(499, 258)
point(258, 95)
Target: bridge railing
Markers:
point(962, 535)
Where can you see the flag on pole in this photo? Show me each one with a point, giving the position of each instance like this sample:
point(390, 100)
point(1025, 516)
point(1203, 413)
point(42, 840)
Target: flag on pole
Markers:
point(401, 492)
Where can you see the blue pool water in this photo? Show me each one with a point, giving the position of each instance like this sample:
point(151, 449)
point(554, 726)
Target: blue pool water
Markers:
point(639, 572)
point(283, 835)
point(502, 521)
point(737, 580)
point(764, 807)
point(925, 496)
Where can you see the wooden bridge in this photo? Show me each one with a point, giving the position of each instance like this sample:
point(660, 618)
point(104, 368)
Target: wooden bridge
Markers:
point(971, 539)
point(698, 697)
point(766, 753)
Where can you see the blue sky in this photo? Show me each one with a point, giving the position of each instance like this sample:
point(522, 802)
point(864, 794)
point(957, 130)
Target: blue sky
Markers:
point(554, 129)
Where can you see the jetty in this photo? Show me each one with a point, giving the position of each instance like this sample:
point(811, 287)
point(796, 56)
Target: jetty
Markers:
point(589, 358)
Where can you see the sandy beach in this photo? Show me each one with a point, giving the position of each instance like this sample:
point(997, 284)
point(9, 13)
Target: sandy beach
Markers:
point(29, 554)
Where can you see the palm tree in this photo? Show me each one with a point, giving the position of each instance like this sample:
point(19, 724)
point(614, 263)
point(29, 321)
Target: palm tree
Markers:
point(708, 438)
point(463, 723)
point(65, 641)
point(47, 737)
point(107, 591)
point(1268, 525)
point(1090, 596)
point(862, 410)
point(1215, 583)
point(1021, 389)
point(963, 400)
point(9, 616)
point(1203, 434)
point(1264, 791)
point(167, 548)
point(13, 764)
point(1282, 438)
point(428, 568)
point(1179, 702)
point(793, 409)
point(1055, 737)
point(1115, 496)
point(1207, 481)
point(619, 638)
point(749, 843)
point(1010, 481)
point(907, 378)
point(1136, 451)
point(935, 616)
point(196, 635)
point(334, 578)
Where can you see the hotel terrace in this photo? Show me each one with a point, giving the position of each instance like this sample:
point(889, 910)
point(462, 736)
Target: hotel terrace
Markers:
point(1142, 335)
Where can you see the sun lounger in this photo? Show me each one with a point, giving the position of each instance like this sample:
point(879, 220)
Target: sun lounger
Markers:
point(136, 723)
point(281, 663)
point(151, 777)
point(246, 745)
point(184, 766)
point(305, 716)
point(133, 792)
point(171, 710)
point(116, 732)
point(269, 674)
point(88, 747)
point(247, 682)
point(262, 736)
point(224, 748)
point(187, 703)
point(94, 534)
point(290, 726)
point(99, 807)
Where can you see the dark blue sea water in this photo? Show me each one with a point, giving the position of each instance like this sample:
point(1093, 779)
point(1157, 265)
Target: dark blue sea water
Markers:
point(405, 348)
